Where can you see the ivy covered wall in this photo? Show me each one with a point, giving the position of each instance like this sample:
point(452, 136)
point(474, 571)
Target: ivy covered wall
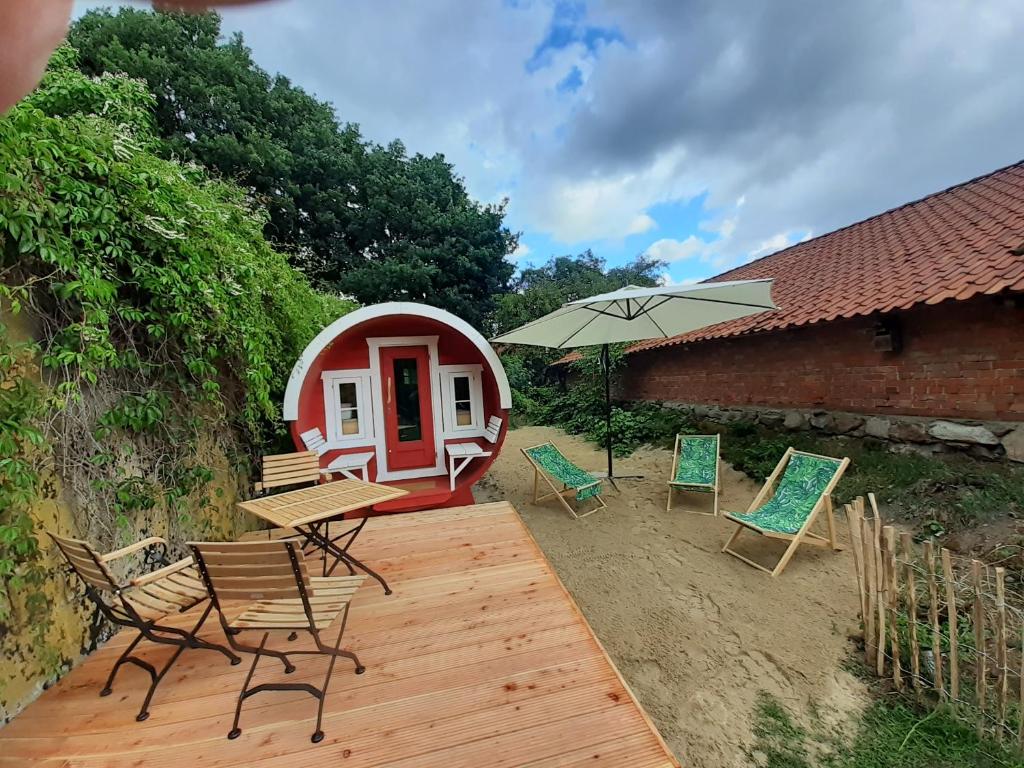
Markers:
point(147, 330)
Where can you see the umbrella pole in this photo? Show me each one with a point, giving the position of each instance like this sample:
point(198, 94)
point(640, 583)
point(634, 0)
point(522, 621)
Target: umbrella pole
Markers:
point(606, 362)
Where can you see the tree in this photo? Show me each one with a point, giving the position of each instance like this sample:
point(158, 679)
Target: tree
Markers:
point(540, 290)
point(357, 217)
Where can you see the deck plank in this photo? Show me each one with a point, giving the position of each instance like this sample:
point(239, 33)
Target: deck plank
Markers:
point(479, 658)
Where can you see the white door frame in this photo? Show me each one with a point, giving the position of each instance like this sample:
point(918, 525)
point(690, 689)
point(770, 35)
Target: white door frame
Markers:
point(380, 438)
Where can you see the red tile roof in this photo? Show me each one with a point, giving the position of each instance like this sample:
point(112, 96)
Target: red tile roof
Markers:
point(952, 245)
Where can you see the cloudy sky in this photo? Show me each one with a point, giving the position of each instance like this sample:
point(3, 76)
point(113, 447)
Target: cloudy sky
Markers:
point(706, 133)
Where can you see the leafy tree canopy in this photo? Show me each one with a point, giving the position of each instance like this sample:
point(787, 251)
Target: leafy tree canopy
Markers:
point(367, 220)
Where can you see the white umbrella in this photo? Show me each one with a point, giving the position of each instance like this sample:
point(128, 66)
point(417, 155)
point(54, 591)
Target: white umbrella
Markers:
point(637, 314)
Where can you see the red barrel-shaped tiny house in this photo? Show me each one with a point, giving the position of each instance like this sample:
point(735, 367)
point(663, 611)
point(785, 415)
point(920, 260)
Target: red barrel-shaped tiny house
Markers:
point(403, 394)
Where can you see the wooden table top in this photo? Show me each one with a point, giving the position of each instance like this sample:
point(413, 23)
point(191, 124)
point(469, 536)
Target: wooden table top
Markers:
point(319, 502)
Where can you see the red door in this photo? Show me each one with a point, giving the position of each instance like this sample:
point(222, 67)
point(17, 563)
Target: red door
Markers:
point(408, 417)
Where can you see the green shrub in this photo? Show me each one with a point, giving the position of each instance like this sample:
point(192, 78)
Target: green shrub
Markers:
point(155, 293)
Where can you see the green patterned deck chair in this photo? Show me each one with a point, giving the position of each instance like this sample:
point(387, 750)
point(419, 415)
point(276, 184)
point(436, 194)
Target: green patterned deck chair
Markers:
point(803, 485)
point(695, 468)
point(548, 462)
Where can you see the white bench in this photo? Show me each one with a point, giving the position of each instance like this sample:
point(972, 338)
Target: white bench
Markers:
point(460, 454)
point(346, 464)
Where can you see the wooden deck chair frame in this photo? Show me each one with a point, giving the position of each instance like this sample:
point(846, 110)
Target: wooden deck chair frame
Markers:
point(716, 487)
point(804, 535)
point(538, 473)
point(272, 576)
point(168, 589)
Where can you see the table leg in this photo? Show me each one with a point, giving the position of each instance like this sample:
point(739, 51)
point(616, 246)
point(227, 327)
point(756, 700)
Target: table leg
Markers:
point(323, 542)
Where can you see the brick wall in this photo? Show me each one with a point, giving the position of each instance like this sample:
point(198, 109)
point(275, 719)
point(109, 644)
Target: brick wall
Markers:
point(960, 359)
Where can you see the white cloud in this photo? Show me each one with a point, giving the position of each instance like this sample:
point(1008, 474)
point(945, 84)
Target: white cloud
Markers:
point(774, 243)
point(701, 98)
point(522, 250)
point(671, 250)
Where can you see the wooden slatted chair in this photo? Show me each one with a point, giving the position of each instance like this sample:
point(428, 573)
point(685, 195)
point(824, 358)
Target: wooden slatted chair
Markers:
point(695, 465)
point(547, 462)
point(299, 469)
point(800, 487)
point(280, 470)
point(281, 597)
point(284, 469)
point(141, 604)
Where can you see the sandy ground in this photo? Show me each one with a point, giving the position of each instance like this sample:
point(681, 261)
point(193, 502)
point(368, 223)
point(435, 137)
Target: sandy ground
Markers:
point(696, 633)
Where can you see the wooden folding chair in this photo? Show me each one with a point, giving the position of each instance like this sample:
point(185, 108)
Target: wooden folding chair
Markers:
point(695, 464)
point(141, 604)
point(803, 484)
point(285, 469)
point(282, 597)
point(547, 462)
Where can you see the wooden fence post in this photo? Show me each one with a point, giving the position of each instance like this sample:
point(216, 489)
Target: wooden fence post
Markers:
point(954, 639)
point(907, 543)
point(893, 594)
point(933, 615)
point(853, 520)
point(881, 584)
point(870, 591)
point(980, 677)
point(1001, 655)
point(1020, 731)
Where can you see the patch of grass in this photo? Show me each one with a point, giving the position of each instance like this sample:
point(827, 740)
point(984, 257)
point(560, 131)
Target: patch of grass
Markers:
point(895, 735)
point(891, 733)
point(780, 743)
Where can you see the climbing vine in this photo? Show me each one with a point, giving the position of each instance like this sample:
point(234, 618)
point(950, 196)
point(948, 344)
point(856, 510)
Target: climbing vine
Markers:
point(163, 317)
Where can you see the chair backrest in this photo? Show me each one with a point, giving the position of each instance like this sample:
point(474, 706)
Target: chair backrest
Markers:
point(806, 479)
point(696, 459)
point(553, 461)
point(290, 469)
point(314, 440)
point(252, 570)
point(85, 562)
point(493, 429)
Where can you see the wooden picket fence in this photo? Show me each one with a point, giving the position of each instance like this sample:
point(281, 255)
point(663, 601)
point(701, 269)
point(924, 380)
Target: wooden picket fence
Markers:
point(944, 628)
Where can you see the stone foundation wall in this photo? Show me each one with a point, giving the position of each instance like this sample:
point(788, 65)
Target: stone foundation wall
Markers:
point(984, 439)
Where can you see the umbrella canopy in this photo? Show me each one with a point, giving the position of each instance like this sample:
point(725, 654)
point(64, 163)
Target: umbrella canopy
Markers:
point(636, 314)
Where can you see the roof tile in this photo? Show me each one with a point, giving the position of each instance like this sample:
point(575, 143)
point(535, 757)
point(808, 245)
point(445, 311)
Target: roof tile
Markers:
point(954, 244)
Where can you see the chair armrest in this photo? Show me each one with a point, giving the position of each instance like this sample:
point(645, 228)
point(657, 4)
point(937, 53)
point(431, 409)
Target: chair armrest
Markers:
point(147, 542)
point(149, 578)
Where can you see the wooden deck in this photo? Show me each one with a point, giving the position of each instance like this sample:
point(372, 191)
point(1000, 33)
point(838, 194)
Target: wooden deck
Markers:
point(479, 658)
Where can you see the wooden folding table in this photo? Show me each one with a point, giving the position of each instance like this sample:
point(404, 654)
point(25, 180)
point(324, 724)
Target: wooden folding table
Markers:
point(310, 511)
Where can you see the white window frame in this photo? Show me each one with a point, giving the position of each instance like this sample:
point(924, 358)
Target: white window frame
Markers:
point(448, 374)
point(332, 381)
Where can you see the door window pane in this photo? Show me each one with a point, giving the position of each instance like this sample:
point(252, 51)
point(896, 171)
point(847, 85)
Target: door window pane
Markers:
point(407, 400)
